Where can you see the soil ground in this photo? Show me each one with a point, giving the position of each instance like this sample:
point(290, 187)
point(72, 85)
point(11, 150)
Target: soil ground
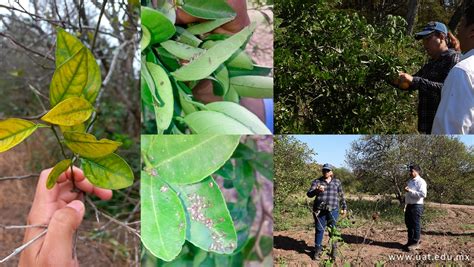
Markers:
point(450, 236)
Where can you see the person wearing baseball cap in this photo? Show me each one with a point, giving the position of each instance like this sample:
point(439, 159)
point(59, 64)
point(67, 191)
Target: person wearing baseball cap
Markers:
point(416, 191)
point(443, 49)
point(328, 192)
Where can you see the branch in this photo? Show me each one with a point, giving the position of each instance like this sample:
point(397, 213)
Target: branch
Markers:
point(48, 57)
point(8, 227)
point(98, 23)
point(22, 247)
point(19, 177)
point(35, 117)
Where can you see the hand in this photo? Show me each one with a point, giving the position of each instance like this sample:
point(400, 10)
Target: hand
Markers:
point(404, 80)
point(320, 188)
point(62, 210)
point(238, 23)
point(407, 189)
point(343, 212)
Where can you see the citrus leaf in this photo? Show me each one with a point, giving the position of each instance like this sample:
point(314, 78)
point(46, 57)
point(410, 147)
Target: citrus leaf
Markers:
point(88, 146)
point(164, 112)
point(240, 60)
point(209, 224)
point(208, 9)
point(69, 112)
point(232, 95)
point(160, 27)
point(180, 50)
point(222, 75)
point(240, 114)
point(185, 37)
point(13, 131)
point(256, 71)
point(208, 26)
point(211, 59)
point(212, 122)
point(59, 168)
point(145, 41)
point(188, 159)
point(111, 172)
point(71, 77)
point(81, 127)
point(253, 86)
point(163, 223)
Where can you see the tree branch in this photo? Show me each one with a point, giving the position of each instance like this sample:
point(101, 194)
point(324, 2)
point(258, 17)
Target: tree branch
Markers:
point(98, 24)
point(22, 247)
point(19, 177)
point(45, 56)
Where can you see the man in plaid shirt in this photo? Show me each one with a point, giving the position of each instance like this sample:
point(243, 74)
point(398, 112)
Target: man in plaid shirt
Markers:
point(328, 191)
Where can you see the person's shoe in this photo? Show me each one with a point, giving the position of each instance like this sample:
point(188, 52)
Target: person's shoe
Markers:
point(333, 254)
point(317, 253)
point(414, 246)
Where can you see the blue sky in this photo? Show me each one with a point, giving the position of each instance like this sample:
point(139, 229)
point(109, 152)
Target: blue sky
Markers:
point(332, 148)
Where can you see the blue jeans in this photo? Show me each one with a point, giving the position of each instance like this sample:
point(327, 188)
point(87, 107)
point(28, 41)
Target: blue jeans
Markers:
point(324, 218)
point(413, 214)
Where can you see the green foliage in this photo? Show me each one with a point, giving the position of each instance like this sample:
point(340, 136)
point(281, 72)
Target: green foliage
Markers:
point(209, 229)
point(334, 70)
point(176, 60)
point(73, 91)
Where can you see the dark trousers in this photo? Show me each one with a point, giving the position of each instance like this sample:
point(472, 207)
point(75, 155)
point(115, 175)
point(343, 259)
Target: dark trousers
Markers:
point(324, 218)
point(413, 215)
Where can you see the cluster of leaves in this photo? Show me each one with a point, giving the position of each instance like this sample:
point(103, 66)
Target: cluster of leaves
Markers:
point(446, 163)
point(74, 88)
point(181, 201)
point(334, 71)
point(176, 59)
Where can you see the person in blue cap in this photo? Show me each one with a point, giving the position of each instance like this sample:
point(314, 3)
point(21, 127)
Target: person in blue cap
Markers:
point(443, 49)
point(328, 192)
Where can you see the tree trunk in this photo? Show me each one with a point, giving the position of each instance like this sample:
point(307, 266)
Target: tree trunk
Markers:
point(456, 17)
point(413, 6)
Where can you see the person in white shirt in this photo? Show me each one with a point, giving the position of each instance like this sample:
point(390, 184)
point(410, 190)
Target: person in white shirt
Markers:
point(455, 114)
point(416, 190)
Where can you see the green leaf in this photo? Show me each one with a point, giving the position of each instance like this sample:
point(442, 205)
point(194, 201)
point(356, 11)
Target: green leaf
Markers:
point(168, 60)
point(244, 179)
point(13, 131)
point(163, 223)
point(256, 71)
point(184, 100)
point(70, 78)
point(58, 169)
point(164, 112)
point(253, 86)
point(208, 220)
point(69, 112)
point(181, 51)
point(240, 60)
point(185, 37)
point(225, 118)
point(232, 95)
point(222, 75)
point(208, 9)
point(148, 86)
point(88, 146)
point(160, 27)
point(212, 122)
point(146, 38)
point(210, 60)
point(188, 159)
point(208, 26)
point(111, 172)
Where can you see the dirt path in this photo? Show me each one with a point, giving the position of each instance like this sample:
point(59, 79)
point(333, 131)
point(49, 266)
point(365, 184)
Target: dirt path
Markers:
point(451, 236)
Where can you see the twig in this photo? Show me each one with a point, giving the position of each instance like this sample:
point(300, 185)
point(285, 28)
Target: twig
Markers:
point(98, 23)
point(19, 177)
point(26, 48)
point(59, 142)
point(8, 227)
point(130, 229)
point(114, 62)
point(22, 247)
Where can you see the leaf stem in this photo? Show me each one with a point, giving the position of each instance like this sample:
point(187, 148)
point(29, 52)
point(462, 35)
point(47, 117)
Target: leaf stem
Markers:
point(59, 141)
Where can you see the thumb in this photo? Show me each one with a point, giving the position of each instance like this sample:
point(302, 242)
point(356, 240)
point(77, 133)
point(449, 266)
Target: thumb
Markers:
point(57, 246)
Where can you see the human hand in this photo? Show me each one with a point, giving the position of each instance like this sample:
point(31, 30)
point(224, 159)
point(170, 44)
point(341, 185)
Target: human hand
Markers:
point(404, 80)
point(240, 21)
point(343, 212)
point(320, 188)
point(407, 189)
point(62, 210)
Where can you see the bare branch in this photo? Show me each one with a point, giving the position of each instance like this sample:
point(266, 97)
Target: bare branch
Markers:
point(19, 177)
point(14, 41)
point(22, 247)
point(98, 24)
point(8, 227)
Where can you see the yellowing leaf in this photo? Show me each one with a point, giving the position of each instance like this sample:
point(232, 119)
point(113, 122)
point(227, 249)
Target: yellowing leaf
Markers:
point(69, 48)
point(13, 131)
point(88, 146)
point(81, 127)
point(57, 170)
point(111, 172)
point(69, 112)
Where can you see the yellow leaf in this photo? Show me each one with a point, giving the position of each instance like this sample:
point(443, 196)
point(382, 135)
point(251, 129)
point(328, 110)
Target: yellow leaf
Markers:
point(81, 127)
point(13, 131)
point(69, 112)
point(57, 170)
point(67, 45)
point(88, 146)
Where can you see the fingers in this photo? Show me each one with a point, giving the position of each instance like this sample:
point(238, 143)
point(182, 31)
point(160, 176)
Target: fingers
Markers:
point(58, 244)
point(83, 184)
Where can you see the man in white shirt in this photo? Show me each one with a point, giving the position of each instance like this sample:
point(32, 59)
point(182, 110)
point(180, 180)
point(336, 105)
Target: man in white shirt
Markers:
point(415, 193)
point(455, 114)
